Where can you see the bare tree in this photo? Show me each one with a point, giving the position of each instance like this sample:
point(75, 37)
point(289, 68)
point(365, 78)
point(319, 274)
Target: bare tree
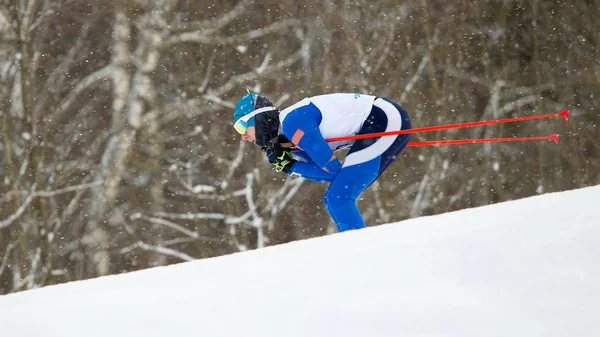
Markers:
point(117, 151)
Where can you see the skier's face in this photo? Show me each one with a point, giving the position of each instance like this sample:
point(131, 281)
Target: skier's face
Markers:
point(250, 135)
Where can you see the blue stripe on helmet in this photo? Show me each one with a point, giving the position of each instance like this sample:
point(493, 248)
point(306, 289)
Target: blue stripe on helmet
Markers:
point(245, 106)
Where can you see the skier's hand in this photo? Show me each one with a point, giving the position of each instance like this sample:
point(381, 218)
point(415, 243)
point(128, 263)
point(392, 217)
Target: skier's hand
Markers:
point(285, 161)
point(282, 162)
point(279, 145)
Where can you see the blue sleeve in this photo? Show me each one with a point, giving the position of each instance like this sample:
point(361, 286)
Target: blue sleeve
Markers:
point(312, 172)
point(309, 170)
point(302, 127)
point(302, 155)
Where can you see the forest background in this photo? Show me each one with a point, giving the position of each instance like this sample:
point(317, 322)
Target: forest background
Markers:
point(117, 151)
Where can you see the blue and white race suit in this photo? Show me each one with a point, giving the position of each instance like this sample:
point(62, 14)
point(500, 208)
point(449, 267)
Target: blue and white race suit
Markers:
point(309, 122)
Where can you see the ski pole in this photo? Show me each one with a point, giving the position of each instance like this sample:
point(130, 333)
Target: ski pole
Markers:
point(553, 137)
point(564, 114)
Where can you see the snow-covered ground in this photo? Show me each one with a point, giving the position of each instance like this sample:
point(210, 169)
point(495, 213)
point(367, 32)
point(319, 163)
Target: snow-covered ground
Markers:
point(524, 268)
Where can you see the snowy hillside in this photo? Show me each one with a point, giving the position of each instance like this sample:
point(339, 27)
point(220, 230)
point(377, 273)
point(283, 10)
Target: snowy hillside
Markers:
point(523, 268)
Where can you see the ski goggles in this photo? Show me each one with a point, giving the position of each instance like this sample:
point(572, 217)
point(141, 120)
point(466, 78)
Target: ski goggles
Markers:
point(241, 125)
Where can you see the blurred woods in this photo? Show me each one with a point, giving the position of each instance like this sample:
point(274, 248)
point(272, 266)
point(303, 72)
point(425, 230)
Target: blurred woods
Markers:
point(117, 150)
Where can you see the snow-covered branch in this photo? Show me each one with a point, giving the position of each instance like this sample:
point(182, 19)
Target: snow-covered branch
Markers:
point(519, 103)
point(158, 249)
point(52, 193)
point(241, 78)
point(68, 189)
point(6, 257)
point(416, 77)
point(100, 74)
point(283, 196)
point(44, 12)
point(166, 223)
point(208, 37)
point(385, 54)
point(211, 97)
point(468, 77)
point(191, 216)
point(61, 70)
point(207, 76)
point(216, 23)
point(6, 222)
point(418, 203)
point(236, 162)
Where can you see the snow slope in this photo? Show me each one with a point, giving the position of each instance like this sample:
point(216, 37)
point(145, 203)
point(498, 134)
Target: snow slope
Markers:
point(524, 268)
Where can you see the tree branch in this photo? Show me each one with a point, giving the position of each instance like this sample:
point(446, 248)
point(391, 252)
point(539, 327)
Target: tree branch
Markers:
point(207, 37)
point(102, 73)
point(6, 222)
point(5, 259)
point(191, 216)
point(235, 163)
point(218, 22)
point(68, 189)
point(163, 222)
point(159, 250)
point(416, 77)
point(44, 12)
point(237, 79)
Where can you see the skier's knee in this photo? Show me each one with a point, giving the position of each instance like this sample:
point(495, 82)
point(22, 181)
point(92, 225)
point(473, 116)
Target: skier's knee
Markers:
point(330, 199)
point(333, 197)
point(327, 200)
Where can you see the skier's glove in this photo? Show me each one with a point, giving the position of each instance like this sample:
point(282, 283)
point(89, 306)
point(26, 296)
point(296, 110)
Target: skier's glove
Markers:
point(282, 162)
point(279, 145)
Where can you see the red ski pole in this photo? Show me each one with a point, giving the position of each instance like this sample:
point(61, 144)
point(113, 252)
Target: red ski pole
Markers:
point(553, 137)
point(564, 114)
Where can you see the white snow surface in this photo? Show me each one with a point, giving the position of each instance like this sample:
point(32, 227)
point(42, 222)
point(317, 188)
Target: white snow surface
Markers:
point(529, 267)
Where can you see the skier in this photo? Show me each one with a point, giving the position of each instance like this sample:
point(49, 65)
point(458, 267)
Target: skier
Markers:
point(307, 124)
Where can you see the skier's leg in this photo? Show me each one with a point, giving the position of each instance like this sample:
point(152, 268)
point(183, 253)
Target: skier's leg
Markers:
point(340, 198)
point(366, 161)
point(401, 141)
